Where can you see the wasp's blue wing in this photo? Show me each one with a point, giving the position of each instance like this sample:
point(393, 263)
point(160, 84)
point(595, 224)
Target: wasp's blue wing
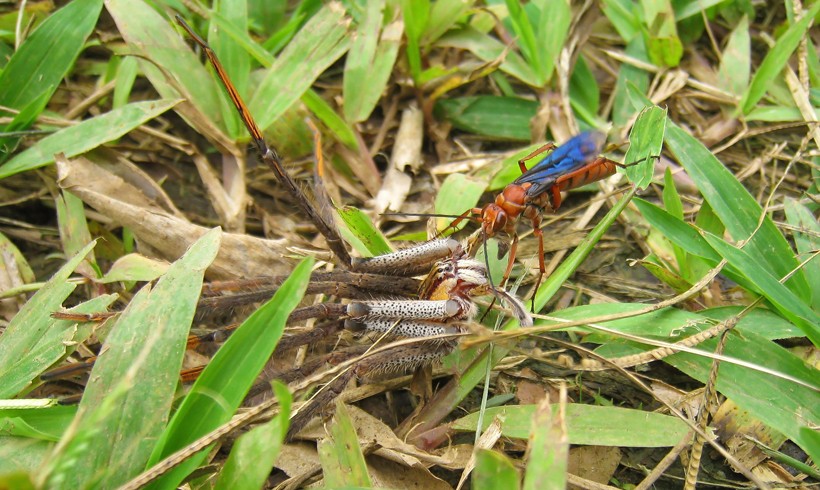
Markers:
point(565, 159)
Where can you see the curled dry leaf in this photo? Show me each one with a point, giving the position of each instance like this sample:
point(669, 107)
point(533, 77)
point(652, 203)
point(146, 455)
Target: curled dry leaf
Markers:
point(406, 153)
point(118, 190)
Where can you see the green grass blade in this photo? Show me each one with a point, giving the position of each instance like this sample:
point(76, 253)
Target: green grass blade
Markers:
point(47, 424)
point(369, 63)
point(551, 28)
point(321, 109)
point(443, 16)
point(548, 450)
point(489, 49)
point(736, 208)
point(322, 41)
point(807, 242)
point(493, 470)
point(44, 59)
point(526, 40)
point(416, 14)
point(233, 57)
point(252, 457)
point(86, 135)
point(361, 233)
point(489, 115)
point(776, 59)
point(789, 305)
point(736, 62)
point(629, 76)
point(229, 375)
point(589, 424)
point(343, 463)
point(158, 44)
point(127, 401)
point(32, 334)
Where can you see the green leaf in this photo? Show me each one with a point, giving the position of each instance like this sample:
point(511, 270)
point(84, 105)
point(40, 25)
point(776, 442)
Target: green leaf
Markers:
point(736, 61)
point(369, 63)
point(44, 59)
point(589, 424)
point(47, 424)
point(488, 49)
point(645, 143)
point(663, 44)
point(86, 135)
point(494, 470)
point(458, 194)
point(147, 343)
point(776, 59)
point(738, 210)
point(135, 267)
point(789, 305)
point(33, 340)
point(806, 239)
point(252, 457)
point(498, 117)
point(361, 232)
point(342, 460)
point(233, 57)
point(230, 374)
point(552, 26)
point(321, 109)
point(319, 44)
point(173, 69)
point(547, 451)
point(416, 14)
point(629, 75)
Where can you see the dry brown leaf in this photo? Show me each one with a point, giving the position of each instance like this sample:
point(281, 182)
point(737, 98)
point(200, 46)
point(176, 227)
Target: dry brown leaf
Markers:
point(595, 463)
point(158, 225)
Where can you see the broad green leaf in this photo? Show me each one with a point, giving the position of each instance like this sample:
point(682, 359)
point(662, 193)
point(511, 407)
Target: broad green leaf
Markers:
point(220, 389)
point(44, 59)
point(589, 425)
point(86, 135)
point(135, 267)
point(551, 28)
point(128, 399)
point(33, 340)
point(807, 242)
point(663, 44)
point(584, 93)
